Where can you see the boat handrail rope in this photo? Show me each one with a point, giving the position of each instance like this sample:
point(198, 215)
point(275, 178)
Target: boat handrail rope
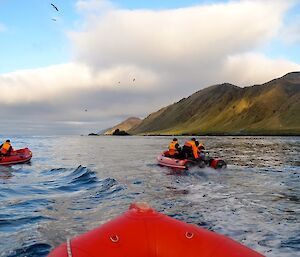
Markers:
point(69, 250)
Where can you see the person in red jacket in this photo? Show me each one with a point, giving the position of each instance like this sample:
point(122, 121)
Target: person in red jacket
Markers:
point(6, 148)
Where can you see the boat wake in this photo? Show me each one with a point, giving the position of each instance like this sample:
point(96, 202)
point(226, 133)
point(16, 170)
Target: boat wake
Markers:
point(42, 201)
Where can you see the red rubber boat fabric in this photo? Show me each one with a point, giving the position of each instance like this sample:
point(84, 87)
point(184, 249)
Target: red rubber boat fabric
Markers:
point(143, 232)
point(17, 156)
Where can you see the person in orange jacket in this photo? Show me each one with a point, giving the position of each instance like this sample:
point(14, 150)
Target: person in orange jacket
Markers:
point(174, 149)
point(201, 151)
point(200, 146)
point(190, 149)
point(6, 148)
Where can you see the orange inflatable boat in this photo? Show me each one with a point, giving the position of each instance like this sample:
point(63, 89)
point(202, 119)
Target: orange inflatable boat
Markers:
point(16, 156)
point(143, 232)
point(164, 159)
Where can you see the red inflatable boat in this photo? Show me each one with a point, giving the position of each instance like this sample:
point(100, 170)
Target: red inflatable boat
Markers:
point(164, 159)
point(17, 156)
point(143, 232)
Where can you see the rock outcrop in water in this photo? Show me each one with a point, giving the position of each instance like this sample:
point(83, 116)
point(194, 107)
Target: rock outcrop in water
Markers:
point(118, 132)
point(126, 125)
point(269, 109)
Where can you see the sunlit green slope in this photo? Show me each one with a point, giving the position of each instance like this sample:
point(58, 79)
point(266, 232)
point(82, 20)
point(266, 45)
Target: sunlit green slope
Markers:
point(271, 108)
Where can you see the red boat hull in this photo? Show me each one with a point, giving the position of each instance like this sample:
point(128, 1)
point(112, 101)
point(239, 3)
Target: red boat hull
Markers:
point(17, 156)
point(143, 232)
point(164, 160)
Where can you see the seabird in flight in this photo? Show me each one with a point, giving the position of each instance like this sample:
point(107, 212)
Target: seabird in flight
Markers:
point(54, 7)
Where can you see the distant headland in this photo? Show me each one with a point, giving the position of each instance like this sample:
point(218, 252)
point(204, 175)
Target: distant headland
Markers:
point(272, 108)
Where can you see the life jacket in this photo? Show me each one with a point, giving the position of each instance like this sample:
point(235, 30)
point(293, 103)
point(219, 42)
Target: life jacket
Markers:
point(193, 146)
point(172, 148)
point(5, 148)
point(190, 143)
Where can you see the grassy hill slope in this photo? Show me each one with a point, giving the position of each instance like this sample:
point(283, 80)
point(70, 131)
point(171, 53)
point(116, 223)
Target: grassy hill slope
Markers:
point(270, 108)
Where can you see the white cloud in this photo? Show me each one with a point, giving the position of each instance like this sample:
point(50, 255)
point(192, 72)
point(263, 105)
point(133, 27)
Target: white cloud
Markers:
point(254, 68)
point(185, 46)
point(43, 83)
point(162, 39)
point(53, 82)
point(170, 53)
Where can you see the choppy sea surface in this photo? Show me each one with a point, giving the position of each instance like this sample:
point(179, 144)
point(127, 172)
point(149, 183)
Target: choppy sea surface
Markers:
point(76, 183)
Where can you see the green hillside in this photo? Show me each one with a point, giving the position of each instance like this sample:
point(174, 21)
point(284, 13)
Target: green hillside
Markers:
point(270, 108)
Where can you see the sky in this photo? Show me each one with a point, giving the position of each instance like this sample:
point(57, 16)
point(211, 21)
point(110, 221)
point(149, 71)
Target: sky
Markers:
point(93, 63)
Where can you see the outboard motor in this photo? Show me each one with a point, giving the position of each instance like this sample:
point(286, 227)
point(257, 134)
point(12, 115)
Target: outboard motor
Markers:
point(217, 163)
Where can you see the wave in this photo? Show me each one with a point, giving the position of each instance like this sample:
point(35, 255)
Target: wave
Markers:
point(70, 180)
point(77, 179)
point(33, 250)
point(9, 223)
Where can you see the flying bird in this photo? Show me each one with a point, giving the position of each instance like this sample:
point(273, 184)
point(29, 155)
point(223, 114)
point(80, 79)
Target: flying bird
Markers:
point(53, 19)
point(85, 110)
point(54, 7)
point(133, 80)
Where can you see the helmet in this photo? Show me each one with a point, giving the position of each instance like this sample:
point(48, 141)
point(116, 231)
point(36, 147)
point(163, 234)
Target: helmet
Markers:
point(175, 139)
point(8, 141)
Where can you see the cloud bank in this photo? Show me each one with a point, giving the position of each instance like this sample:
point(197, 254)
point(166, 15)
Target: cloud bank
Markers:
point(132, 62)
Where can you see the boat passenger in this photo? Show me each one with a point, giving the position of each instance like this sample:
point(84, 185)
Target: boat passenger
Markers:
point(190, 150)
point(200, 146)
point(201, 150)
point(6, 148)
point(174, 149)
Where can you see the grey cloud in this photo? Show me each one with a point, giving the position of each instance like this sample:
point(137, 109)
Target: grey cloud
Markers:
point(67, 114)
point(171, 53)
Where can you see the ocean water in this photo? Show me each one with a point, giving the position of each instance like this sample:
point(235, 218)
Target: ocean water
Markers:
point(76, 183)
